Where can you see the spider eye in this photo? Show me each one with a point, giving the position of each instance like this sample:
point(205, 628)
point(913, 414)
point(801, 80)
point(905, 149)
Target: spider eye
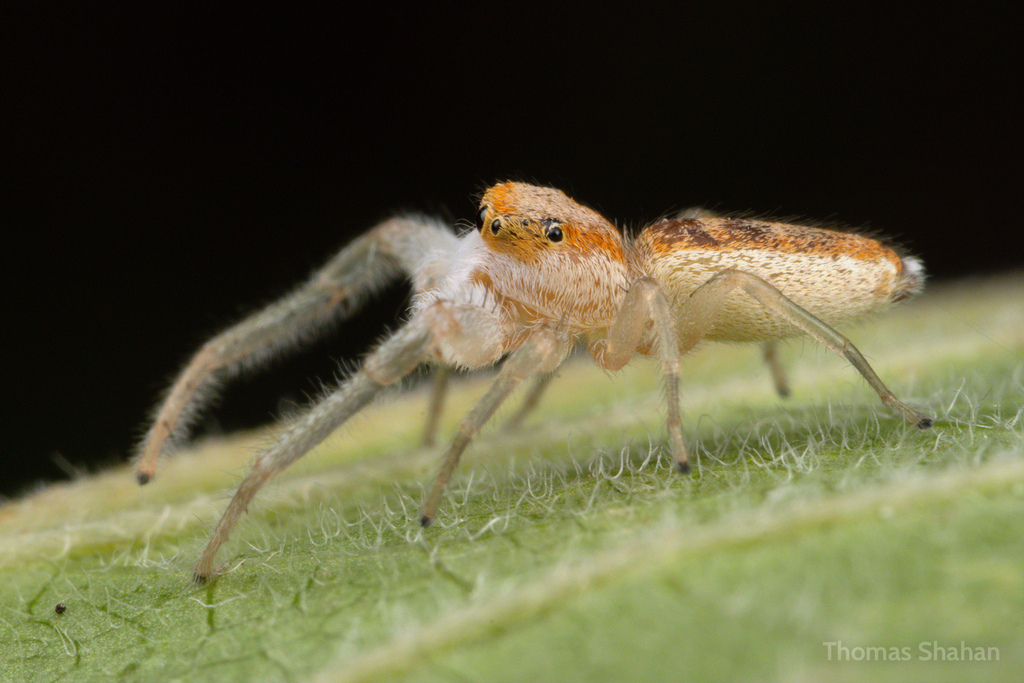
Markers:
point(480, 218)
point(495, 227)
point(554, 233)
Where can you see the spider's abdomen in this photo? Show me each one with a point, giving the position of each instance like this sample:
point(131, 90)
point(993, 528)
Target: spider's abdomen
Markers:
point(836, 276)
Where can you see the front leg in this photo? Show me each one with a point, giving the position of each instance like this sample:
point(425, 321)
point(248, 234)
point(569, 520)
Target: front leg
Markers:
point(392, 360)
point(333, 293)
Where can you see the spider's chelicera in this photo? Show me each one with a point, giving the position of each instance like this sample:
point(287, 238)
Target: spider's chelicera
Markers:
point(540, 275)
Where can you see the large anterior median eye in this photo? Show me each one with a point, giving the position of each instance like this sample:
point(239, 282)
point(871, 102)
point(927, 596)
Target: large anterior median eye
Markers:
point(552, 230)
point(480, 218)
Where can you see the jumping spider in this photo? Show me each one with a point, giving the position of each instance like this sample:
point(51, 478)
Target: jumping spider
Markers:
point(538, 275)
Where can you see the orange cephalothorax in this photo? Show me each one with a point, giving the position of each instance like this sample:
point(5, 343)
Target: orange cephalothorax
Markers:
point(565, 261)
point(526, 222)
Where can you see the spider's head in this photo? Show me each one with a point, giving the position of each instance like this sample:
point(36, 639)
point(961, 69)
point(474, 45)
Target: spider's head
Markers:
point(532, 223)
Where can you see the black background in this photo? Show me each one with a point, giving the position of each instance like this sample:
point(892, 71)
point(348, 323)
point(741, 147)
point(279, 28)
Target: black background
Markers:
point(168, 170)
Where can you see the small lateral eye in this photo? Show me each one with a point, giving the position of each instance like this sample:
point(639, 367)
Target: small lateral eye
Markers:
point(554, 233)
point(480, 218)
point(495, 227)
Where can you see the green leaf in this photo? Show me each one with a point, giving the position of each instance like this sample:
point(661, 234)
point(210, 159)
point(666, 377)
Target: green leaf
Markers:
point(570, 550)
